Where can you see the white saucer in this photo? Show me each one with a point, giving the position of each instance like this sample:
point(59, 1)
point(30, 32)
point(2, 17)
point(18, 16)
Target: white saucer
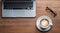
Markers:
point(38, 23)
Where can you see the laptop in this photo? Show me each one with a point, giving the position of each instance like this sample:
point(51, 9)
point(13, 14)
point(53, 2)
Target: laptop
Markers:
point(18, 8)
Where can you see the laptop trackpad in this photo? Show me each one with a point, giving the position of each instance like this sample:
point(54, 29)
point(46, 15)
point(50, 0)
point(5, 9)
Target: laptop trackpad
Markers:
point(18, 13)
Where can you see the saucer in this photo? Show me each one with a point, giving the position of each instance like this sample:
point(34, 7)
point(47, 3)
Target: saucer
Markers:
point(39, 26)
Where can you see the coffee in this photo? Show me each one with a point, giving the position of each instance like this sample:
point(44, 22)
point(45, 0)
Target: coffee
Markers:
point(44, 23)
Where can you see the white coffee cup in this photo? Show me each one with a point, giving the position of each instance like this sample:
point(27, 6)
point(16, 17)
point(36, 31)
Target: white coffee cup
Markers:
point(44, 23)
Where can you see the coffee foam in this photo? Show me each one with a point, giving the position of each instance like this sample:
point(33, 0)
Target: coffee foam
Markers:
point(44, 23)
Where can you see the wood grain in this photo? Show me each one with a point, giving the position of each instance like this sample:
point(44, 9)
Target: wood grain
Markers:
point(27, 25)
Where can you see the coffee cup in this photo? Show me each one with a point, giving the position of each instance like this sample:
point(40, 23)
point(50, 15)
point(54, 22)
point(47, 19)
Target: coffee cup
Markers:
point(44, 23)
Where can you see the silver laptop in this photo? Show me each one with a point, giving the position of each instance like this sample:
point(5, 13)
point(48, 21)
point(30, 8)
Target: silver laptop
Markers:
point(18, 8)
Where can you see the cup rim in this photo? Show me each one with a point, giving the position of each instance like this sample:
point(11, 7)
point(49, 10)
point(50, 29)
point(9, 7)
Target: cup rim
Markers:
point(46, 26)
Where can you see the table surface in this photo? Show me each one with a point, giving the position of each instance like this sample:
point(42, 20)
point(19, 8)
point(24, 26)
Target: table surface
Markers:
point(27, 25)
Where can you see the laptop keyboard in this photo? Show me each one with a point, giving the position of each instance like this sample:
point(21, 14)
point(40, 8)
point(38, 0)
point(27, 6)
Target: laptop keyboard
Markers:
point(18, 4)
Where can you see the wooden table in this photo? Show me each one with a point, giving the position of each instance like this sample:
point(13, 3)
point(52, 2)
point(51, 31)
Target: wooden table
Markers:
point(27, 25)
